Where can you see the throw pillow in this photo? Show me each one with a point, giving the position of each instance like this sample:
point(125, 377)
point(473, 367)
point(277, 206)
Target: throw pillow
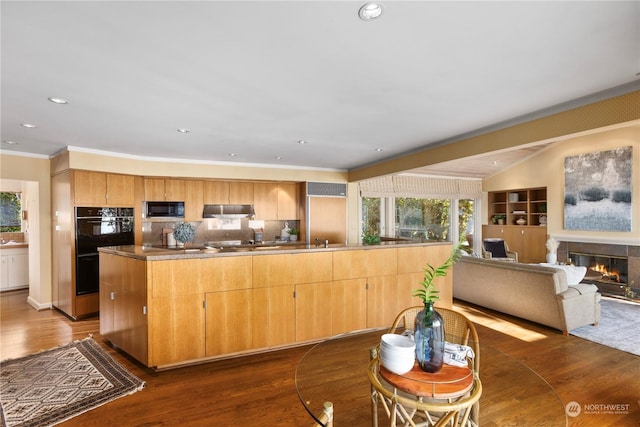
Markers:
point(496, 247)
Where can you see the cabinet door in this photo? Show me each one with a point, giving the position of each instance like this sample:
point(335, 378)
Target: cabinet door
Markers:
point(288, 201)
point(266, 200)
point(193, 204)
point(514, 236)
point(349, 264)
point(19, 270)
point(4, 272)
point(383, 301)
point(228, 322)
point(314, 311)
point(154, 189)
point(312, 267)
point(176, 312)
point(89, 188)
point(241, 193)
point(272, 270)
point(130, 310)
point(534, 243)
point(349, 305)
point(382, 262)
point(273, 316)
point(216, 192)
point(120, 190)
point(175, 190)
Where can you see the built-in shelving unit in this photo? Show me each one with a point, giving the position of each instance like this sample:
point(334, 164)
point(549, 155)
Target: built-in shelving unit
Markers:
point(528, 204)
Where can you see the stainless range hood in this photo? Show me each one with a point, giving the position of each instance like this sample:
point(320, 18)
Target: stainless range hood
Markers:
point(228, 211)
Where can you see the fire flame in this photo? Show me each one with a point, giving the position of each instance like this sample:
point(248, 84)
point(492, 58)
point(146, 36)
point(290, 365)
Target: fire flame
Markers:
point(602, 269)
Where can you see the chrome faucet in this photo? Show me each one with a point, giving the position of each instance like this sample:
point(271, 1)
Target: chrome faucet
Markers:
point(320, 241)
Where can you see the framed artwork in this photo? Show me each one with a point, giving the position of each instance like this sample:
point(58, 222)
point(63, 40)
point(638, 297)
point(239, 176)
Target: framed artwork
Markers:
point(597, 190)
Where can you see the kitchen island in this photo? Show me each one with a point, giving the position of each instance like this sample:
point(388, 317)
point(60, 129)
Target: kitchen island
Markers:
point(172, 307)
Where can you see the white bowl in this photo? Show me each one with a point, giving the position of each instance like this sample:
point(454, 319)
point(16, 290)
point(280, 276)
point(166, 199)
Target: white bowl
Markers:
point(397, 342)
point(397, 364)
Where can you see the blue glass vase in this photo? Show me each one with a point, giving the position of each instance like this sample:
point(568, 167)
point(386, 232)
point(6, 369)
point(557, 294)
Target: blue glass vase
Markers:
point(429, 338)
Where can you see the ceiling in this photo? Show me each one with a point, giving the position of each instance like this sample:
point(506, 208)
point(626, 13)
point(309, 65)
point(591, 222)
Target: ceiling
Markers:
point(249, 80)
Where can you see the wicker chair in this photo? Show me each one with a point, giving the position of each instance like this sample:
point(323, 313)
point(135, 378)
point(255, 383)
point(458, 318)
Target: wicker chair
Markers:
point(458, 330)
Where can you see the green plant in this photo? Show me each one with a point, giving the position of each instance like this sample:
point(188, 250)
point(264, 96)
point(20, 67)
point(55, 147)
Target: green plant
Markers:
point(498, 217)
point(427, 292)
point(370, 239)
point(294, 231)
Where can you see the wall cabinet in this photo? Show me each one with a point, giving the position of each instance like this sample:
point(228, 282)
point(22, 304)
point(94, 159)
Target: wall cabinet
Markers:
point(216, 192)
point(529, 204)
point(103, 189)
point(14, 266)
point(241, 193)
point(276, 201)
point(161, 189)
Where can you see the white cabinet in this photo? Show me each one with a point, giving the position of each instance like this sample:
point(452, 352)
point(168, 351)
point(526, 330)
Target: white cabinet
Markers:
point(14, 268)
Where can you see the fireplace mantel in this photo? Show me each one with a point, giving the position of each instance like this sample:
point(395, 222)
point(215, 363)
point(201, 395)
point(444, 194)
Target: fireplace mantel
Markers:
point(625, 241)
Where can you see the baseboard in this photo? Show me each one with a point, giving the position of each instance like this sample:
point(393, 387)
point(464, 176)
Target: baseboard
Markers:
point(38, 306)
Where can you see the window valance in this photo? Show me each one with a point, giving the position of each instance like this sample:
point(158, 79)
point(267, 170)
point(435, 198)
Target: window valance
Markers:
point(421, 187)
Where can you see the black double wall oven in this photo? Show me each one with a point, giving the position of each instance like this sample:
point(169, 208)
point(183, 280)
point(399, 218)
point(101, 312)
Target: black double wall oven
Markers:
point(96, 227)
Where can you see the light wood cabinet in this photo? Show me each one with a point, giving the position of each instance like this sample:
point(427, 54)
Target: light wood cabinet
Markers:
point(216, 192)
point(176, 312)
point(123, 304)
point(265, 201)
point(161, 189)
point(528, 242)
point(228, 322)
point(288, 201)
point(276, 201)
point(193, 200)
point(241, 193)
point(103, 189)
point(192, 309)
point(273, 316)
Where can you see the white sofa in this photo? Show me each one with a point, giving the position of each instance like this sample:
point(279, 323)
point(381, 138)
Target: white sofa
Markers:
point(533, 292)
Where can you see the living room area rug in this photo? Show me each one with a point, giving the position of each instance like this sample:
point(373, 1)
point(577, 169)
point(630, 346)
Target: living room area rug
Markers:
point(618, 326)
point(47, 388)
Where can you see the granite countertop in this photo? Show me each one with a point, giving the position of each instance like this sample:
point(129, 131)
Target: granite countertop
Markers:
point(156, 253)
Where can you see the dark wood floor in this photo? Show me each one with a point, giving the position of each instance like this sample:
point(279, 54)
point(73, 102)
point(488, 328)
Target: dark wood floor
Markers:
point(259, 390)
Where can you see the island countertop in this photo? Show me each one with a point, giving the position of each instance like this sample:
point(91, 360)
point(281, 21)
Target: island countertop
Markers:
point(157, 253)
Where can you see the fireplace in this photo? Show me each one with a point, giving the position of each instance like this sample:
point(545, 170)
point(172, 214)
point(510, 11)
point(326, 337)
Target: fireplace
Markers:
point(609, 273)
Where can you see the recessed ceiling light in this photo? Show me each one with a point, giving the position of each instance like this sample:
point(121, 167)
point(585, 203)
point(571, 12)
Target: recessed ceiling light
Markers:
point(370, 11)
point(495, 163)
point(302, 142)
point(56, 100)
point(232, 154)
point(183, 130)
point(10, 142)
point(28, 125)
point(279, 157)
point(379, 150)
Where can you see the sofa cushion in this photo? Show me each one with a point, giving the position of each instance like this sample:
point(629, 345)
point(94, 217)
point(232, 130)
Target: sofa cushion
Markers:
point(580, 289)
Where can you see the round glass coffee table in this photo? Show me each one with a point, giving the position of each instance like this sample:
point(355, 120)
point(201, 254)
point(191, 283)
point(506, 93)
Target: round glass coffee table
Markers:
point(335, 371)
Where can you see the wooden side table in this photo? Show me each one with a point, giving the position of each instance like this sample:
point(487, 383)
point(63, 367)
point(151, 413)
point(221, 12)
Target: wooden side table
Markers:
point(448, 383)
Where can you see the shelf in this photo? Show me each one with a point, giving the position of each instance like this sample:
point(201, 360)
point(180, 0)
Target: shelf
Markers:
point(532, 201)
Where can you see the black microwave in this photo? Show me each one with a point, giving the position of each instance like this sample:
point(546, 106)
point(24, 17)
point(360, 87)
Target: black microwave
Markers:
point(165, 209)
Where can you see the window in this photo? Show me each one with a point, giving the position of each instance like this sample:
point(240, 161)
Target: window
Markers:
point(421, 219)
point(10, 208)
point(426, 219)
